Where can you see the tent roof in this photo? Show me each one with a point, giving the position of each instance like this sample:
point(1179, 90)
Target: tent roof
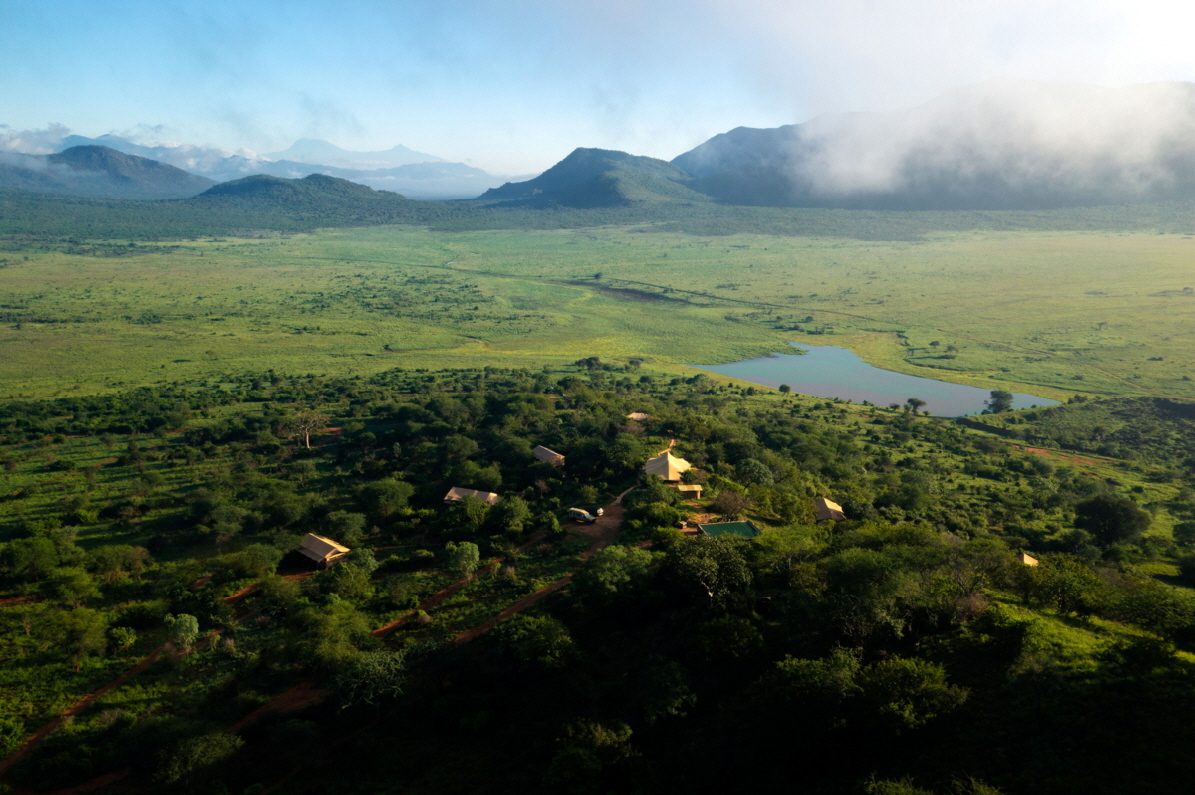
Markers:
point(828, 509)
point(637, 416)
point(544, 454)
point(741, 529)
point(320, 548)
point(1027, 559)
point(667, 466)
point(457, 493)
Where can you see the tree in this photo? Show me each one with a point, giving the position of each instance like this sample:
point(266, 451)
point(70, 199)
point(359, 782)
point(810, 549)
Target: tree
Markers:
point(259, 560)
point(731, 504)
point(372, 677)
point(73, 586)
point(1111, 518)
point(612, 573)
point(463, 556)
point(914, 405)
point(32, 558)
point(122, 637)
point(191, 758)
point(1000, 402)
point(752, 471)
point(184, 630)
point(349, 528)
point(385, 498)
point(306, 422)
point(908, 693)
point(513, 513)
point(539, 641)
point(79, 633)
point(785, 388)
point(713, 566)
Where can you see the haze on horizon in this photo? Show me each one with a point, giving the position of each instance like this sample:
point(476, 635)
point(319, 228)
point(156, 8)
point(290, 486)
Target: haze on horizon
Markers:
point(512, 87)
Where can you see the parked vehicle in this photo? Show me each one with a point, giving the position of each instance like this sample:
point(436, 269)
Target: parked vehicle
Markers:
point(581, 515)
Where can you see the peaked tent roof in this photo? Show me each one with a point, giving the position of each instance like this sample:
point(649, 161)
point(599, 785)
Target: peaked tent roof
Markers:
point(637, 416)
point(544, 454)
point(1027, 559)
point(667, 466)
point(827, 509)
point(741, 529)
point(457, 493)
point(320, 548)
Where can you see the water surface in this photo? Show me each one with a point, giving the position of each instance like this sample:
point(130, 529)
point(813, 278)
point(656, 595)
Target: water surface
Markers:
point(831, 372)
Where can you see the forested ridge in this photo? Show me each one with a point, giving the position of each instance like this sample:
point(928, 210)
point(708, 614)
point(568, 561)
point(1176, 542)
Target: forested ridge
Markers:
point(906, 649)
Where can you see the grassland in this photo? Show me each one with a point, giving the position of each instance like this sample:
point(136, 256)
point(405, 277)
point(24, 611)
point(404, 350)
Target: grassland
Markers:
point(1051, 313)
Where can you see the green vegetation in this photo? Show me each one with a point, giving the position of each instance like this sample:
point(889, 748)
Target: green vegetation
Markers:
point(1086, 313)
point(167, 519)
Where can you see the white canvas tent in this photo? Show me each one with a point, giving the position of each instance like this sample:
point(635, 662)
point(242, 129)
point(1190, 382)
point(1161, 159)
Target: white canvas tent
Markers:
point(457, 493)
point(551, 456)
point(667, 466)
point(323, 551)
point(828, 510)
point(1026, 558)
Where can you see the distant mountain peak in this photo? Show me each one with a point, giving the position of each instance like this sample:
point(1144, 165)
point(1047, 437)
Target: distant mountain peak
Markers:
point(315, 150)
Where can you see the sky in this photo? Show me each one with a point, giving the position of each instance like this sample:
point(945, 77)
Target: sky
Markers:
point(512, 86)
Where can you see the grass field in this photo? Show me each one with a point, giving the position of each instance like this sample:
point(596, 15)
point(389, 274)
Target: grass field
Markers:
point(1051, 313)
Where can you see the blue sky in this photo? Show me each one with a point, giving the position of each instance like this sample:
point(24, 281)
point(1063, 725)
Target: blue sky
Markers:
point(514, 86)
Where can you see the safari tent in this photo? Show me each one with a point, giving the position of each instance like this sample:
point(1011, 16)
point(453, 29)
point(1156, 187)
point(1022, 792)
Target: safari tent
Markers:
point(323, 551)
point(550, 456)
point(690, 491)
point(637, 416)
point(828, 510)
point(740, 529)
point(1027, 559)
point(456, 493)
point(667, 466)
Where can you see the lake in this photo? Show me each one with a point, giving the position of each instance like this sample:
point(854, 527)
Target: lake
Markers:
point(831, 372)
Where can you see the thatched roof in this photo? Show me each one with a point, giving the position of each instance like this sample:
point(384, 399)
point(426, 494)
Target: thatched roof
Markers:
point(457, 493)
point(320, 549)
point(827, 509)
point(551, 456)
point(1027, 559)
point(667, 466)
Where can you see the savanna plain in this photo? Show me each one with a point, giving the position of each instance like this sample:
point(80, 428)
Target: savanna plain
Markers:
point(1003, 604)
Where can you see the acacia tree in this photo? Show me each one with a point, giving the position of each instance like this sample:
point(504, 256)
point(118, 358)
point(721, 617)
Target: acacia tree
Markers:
point(713, 565)
point(306, 422)
point(1000, 402)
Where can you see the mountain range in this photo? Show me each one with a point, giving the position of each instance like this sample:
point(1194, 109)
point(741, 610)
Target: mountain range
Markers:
point(997, 145)
point(399, 169)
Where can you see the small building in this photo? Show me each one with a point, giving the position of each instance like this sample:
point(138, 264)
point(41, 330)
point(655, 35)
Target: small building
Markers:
point(1027, 559)
point(740, 529)
point(690, 491)
point(828, 510)
point(456, 494)
point(323, 551)
point(667, 466)
point(549, 456)
point(637, 416)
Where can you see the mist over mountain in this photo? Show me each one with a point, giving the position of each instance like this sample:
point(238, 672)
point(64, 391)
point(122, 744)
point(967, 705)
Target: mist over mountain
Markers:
point(311, 150)
point(600, 178)
point(98, 172)
point(996, 145)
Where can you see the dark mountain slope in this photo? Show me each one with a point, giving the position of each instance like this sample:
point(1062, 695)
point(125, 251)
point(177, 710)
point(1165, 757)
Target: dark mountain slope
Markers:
point(999, 145)
point(99, 172)
point(601, 178)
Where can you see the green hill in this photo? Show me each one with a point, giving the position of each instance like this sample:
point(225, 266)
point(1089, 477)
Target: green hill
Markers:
point(601, 178)
point(99, 172)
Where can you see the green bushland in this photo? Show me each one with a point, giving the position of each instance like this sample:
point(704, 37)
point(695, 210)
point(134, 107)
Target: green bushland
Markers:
point(668, 661)
point(1051, 313)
